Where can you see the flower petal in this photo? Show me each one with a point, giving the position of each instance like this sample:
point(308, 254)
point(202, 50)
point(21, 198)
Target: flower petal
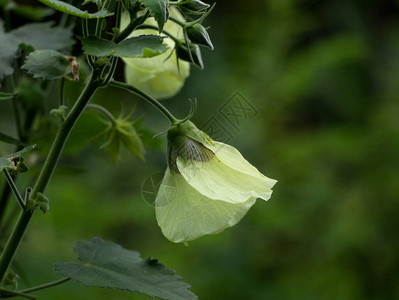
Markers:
point(219, 181)
point(183, 214)
point(232, 157)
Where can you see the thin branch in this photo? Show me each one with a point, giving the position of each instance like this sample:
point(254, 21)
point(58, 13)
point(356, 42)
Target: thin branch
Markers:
point(62, 91)
point(46, 285)
point(14, 189)
point(9, 293)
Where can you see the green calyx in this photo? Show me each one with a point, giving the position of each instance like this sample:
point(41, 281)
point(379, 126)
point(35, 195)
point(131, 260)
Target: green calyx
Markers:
point(185, 140)
point(122, 132)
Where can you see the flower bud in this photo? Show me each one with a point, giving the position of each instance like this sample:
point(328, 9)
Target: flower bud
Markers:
point(194, 6)
point(158, 76)
point(184, 54)
point(198, 35)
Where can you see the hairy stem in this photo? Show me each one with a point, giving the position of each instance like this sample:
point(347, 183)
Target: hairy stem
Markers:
point(45, 174)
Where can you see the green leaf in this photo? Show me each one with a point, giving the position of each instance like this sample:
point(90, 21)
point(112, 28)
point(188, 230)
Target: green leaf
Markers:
point(5, 161)
point(6, 96)
point(20, 152)
point(158, 9)
point(72, 10)
point(10, 140)
point(138, 46)
point(8, 54)
point(36, 36)
point(106, 264)
point(43, 36)
point(46, 64)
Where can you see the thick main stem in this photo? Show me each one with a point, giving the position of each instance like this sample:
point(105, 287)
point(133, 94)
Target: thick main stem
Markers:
point(45, 174)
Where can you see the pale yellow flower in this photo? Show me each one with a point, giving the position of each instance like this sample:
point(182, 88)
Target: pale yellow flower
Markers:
point(208, 186)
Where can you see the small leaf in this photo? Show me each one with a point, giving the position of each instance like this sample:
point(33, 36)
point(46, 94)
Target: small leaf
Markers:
point(158, 9)
point(106, 264)
point(138, 46)
point(6, 161)
point(10, 140)
point(41, 202)
point(46, 64)
point(58, 114)
point(20, 152)
point(72, 10)
point(6, 96)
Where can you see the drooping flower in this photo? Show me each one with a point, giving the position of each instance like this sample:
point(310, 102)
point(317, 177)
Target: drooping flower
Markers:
point(207, 187)
point(158, 76)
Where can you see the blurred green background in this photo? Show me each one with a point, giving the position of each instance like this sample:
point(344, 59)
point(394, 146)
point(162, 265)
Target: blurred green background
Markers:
point(323, 77)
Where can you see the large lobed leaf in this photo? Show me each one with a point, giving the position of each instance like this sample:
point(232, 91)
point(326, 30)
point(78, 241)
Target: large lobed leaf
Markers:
point(106, 264)
point(158, 9)
point(138, 46)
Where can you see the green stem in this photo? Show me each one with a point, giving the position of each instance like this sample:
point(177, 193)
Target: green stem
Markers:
point(46, 173)
point(146, 97)
point(62, 91)
point(118, 14)
point(130, 28)
point(45, 286)
point(10, 293)
point(177, 21)
point(14, 189)
point(102, 110)
point(3, 201)
point(62, 136)
point(13, 242)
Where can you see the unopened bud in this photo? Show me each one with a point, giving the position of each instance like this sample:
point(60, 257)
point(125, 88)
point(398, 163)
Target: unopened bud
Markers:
point(198, 35)
point(195, 57)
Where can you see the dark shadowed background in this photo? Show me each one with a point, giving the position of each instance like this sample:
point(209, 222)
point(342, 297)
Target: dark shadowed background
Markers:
point(308, 92)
